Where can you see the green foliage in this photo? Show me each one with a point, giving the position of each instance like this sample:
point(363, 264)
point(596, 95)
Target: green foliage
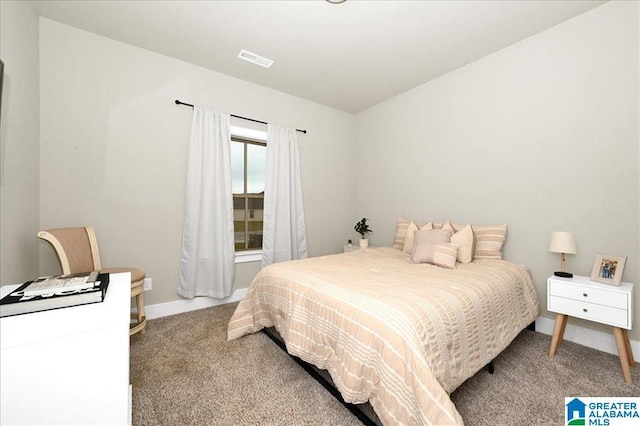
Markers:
point(362, 227)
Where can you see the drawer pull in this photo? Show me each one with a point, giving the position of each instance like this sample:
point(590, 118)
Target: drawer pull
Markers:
point(585, 294)
point(584, 309)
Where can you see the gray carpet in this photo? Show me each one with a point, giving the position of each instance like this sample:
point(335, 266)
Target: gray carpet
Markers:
point(184, 372)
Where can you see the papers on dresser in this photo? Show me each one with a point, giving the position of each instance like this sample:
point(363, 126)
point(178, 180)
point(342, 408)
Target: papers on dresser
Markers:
point(17, 302)
point(62, 284)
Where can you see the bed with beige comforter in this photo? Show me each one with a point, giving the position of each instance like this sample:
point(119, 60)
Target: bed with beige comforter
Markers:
point(397, 334)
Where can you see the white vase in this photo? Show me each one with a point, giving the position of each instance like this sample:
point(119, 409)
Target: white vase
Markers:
point(364, 242)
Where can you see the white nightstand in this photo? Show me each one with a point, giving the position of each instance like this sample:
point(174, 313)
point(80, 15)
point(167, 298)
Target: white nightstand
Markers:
point(353, 247)
point(580, 297)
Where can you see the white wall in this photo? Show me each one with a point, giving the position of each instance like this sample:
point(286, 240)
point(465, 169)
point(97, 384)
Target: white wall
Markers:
point(19, 143)
point(114, 151)
point(542, 135)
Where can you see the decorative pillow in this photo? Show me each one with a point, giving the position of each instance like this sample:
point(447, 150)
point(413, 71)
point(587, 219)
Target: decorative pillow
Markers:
point(489, 241)
point(445, 255)
point(424, 244)
point(401, 232)
point(463, 237)
point(408, 239)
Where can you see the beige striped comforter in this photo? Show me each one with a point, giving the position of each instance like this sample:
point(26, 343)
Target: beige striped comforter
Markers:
point(400, 335)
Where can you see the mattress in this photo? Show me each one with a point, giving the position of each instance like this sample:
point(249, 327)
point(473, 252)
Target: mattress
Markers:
point(397, 334)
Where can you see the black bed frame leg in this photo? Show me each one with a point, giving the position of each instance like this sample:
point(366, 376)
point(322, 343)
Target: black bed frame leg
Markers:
point(491, 367)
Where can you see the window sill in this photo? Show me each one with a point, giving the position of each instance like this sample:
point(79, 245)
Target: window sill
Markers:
point(248, 256)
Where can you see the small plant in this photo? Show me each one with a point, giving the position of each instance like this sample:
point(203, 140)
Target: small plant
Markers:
point(362, 228)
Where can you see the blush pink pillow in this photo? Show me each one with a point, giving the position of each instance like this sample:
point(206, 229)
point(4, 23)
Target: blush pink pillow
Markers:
point(424, 243)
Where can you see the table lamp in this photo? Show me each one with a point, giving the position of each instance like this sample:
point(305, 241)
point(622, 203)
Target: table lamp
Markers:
point(562, 242)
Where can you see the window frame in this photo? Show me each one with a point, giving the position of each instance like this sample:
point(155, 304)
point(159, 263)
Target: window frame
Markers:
point(256, 137)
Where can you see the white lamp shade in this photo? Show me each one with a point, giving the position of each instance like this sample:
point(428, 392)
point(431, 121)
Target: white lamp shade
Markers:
point(562, 242)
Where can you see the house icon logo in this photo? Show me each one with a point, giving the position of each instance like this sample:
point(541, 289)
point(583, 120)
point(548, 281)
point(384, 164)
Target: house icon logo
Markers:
point(575, 412)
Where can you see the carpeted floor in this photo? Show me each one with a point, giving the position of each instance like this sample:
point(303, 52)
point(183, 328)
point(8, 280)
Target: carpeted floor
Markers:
point(184, 372)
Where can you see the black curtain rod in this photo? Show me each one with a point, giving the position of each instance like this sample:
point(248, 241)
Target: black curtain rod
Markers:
point(237, 116)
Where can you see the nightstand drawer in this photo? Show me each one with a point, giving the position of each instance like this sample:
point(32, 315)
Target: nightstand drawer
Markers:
point(604, 297)
point(589, 311)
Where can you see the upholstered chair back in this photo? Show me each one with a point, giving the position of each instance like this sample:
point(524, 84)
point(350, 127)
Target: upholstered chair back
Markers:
point(76, 248)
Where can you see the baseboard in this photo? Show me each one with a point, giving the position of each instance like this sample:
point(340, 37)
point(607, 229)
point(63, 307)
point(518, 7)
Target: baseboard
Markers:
point(186, 305)
point(604, 342)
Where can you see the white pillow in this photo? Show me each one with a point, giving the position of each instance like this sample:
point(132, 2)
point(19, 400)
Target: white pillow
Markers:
point(464, 239)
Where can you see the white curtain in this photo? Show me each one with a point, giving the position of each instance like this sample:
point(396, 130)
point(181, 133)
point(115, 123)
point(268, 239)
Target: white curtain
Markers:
point(207, 260)
point(284, 233)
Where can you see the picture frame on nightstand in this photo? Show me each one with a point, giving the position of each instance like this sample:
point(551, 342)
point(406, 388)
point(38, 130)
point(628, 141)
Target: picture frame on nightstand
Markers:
point(608, 268)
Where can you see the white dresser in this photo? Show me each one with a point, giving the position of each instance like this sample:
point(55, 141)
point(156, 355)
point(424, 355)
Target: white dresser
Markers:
point(68, 366)
point(580, 297)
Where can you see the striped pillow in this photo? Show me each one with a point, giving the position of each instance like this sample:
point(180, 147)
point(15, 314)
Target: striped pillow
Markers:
point(489, 241)
point(445, 255)
point(401, 233)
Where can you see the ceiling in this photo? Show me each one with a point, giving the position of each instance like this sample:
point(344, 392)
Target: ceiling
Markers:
point(348, 56)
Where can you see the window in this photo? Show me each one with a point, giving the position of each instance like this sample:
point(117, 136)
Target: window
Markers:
point(248, 160)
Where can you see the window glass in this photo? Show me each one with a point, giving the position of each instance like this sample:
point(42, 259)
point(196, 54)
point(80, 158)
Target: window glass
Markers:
point(256, 162)
point(248, 161)
point(237, 167)
point(255, 223)
point(240, 236)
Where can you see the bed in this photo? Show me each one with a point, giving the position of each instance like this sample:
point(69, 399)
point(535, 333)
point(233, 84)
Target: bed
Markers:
point(400, 335)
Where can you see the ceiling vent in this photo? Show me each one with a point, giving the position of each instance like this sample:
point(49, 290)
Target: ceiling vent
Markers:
point(255, 59)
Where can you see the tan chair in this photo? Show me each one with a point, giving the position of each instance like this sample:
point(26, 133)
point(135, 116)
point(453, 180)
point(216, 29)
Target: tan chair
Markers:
point(77, 250)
